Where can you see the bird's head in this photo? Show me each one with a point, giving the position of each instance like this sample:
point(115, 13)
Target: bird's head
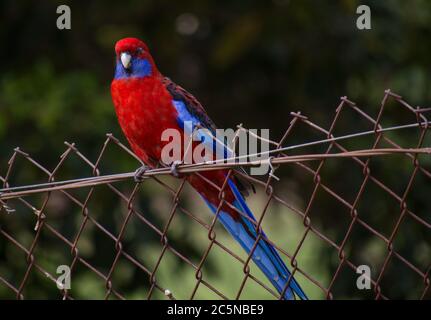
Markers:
point(133, 60)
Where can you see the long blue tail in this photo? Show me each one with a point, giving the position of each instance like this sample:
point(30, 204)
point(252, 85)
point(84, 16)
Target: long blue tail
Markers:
point(265, 256)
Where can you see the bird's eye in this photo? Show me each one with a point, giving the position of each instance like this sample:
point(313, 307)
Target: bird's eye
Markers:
point(139, 50)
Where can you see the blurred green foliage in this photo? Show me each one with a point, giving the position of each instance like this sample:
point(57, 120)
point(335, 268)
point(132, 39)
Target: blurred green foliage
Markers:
point(249, 62)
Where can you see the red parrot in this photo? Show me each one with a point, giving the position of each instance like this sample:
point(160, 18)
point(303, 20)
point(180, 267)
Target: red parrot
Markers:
point(146, 104)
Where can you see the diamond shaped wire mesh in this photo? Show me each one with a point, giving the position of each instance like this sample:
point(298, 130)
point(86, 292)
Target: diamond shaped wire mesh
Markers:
point(355, 212)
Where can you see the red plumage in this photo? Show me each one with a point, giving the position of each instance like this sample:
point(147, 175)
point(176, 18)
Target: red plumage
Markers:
point(144, 109)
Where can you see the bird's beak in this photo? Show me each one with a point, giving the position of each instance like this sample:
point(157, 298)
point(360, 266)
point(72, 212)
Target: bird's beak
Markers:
point(126, 59)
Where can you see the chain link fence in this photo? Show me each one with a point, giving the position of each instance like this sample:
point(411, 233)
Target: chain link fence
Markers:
point(343, 197)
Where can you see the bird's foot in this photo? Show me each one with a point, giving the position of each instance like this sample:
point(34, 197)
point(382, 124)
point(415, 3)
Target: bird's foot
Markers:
point(140, 174)
point(174, 168)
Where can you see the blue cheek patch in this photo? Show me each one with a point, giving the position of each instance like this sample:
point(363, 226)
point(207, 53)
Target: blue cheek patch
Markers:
point(140, 68)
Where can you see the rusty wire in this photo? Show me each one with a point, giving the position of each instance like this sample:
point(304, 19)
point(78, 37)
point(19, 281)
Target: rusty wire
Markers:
point(280, 157)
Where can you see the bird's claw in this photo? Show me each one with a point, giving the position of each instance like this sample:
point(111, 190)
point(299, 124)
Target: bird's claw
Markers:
point(139, 175)
point(174, 168)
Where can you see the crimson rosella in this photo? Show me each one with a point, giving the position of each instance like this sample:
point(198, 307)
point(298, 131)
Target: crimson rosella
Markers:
point(147, 103)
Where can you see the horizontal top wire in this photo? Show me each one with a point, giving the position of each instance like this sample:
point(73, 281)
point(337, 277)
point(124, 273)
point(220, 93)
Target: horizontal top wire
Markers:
point(8, 193)
point(227, 163)
point(19, 191)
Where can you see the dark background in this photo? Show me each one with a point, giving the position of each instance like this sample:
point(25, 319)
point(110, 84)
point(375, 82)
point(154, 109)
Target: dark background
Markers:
point(250, 62)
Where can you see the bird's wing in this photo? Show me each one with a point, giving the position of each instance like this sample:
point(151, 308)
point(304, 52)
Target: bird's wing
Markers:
point(192, 105)
point(190, 109)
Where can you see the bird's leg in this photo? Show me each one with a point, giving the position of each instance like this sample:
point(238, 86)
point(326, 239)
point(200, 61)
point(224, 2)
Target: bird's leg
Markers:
point(140, 173)
point(174, 168)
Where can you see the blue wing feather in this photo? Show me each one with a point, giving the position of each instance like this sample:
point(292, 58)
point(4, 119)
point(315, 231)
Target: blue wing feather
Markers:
point(192, 118)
